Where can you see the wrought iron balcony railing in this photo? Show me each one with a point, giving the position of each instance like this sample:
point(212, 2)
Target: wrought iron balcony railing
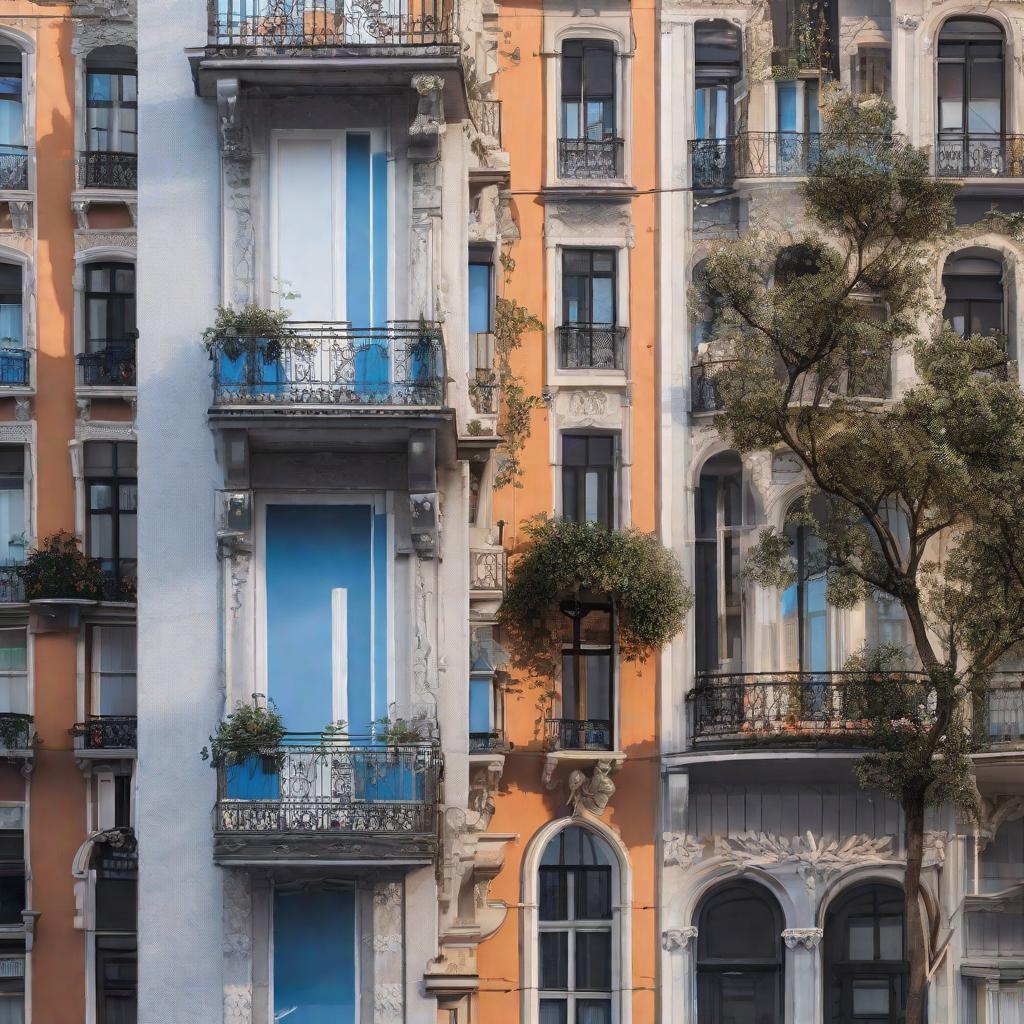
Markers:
point(109, 363)
point(13, 167)
point(323, 797)
point(487, 742)
point(12, 586)
point(14, 367)
point(328, 25)
point(793, 706)
point(17, 731)
point(402, 363)
point(591, 347)
point(107, 732)
point(120, 586)
point(487, 569)
point(578, 733)
point(1000, 717)
point(590, 159)
point(108, 169)
point(974, 155)
point(704, 393)
point(716, 163)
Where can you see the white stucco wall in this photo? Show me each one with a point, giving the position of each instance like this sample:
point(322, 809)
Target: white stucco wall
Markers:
point(179, 665)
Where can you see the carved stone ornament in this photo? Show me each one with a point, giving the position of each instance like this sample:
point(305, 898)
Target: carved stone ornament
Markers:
point(21, 215)
point(234, 137)
point(993, 813)
point(101, 28)
point(388, 1004)
point(124, 239)
point(681, 849)
point(387, 894)
point(23, 409)
point(805, 938)
point(588, 405)
point(592, 794)
point(587, 218)
point(908, 22)
point(935, 844)
point(428, 125)
point(675, 939)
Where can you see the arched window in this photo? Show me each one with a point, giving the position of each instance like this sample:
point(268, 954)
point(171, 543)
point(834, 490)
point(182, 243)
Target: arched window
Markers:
point(970, 98)
point(575, 929)
point(806, 624)
point(973, 281)
point(739, 956)
point(111, 118)
point(865, 956)
point(13, 154)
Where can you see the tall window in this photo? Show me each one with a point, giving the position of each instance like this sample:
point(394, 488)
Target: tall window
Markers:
point(588, 478)
point(588, 89)
point(586, 698)
point(974, 293)
point(109, 305)
point(970, 77)
point(481, 323)
point(12, 903)
point(589, 338)
point(805, 615)
point(111, 100)
point(739, 956)
point(11, 316)
point(116, 958)
point(13, 671)
point(799, 122)
point(112, 495)
point(113, 670)
point(865, 965)
point(717, 67)
point(12, 504)
point(575, 931)
point(721, 517)
point(12, 115)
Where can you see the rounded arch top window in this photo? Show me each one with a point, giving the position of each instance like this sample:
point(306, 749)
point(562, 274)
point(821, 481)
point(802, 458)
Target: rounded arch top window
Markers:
point(865, 958)
point(575, 929)
point(739, 955)
point(973, 282)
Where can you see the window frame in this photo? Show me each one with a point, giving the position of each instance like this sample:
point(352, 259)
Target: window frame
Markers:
point(966, 63)
point(111, 298)
point(590, 276)
point(610, 104)
point(114, 131)
point(578, 473)
point(577, 649)
point(113, 480)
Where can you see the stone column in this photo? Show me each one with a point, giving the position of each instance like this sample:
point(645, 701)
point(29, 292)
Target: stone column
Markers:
point(806, 972)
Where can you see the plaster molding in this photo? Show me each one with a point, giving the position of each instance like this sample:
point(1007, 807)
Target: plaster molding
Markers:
point(23, 409)
point(94, 431)
point(89, 239)
point(591, 794)
point(423, 649)
point(21, 214)
point(101, 30)
point(935, 844)
point(908, 22)
point(391, 943)
point(805, 938)
point(17, 433)
point(588, 407)
point(678, 939)
point(388, 1005)
point(387, 894)
point(682, 849)
point(587, 219)
point(993, 812)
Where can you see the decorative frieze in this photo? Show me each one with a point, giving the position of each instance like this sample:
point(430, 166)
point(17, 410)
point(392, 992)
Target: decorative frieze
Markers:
point(804, 938)
point(681, 849)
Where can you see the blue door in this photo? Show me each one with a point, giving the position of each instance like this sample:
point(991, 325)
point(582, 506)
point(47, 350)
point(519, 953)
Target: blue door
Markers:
point(314, 956)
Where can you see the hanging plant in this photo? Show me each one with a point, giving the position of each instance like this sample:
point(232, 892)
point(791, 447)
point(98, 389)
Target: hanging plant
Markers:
point(250, 330)
point(562, 560)
point(59, 568)
point(251, 730)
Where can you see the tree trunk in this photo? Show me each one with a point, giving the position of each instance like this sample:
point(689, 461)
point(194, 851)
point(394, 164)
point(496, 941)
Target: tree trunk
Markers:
point(917, 953)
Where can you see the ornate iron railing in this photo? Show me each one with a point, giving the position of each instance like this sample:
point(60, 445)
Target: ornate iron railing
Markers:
point(486, 116)
point(119, 586)
point(578, 733)
point(318, 25)
point(13, 167)
point(704, 393)
point(487, 569)
point(591, 347)
point(17, 731)
point(1000, 716)
point(108, 169)
point(794, 706)
point(14, 366)
point(974, 155)
point(590, 159)
point(111, 363)
point(402, 363)
point(313, 784)
point(716, 163)
point(107, 732)
point(487, 742)
point(12, 586)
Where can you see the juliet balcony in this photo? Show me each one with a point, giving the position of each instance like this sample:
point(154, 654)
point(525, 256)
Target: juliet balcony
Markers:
point(585, 346)
point(979, 155)
point(108, 170)
point(105, 736)
point(317, 799)
point(108, 365)
point(578, 733)
point(590, 159)
point(13, 168)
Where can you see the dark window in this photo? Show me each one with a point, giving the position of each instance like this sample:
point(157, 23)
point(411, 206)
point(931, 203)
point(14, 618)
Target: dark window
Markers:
point(588, 90)
point(12, 118)
point(739, 956)
point(586, 698)
point(112, 497)
point(588, 286)
point(970, 77)
point(111, 99)
point(117, 975)
point(588, 478)
point(122, 801)
point(865, 964)
point(717, 67)
point(974, 294)
point(11, 335)
point(575, 933)
point(12, 873)
point(109, 305)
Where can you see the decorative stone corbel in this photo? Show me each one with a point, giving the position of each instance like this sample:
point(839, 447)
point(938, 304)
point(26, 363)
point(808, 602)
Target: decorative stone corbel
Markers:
point(993, 813)
point(591, 795)
point(21, 215)
point(29, 918)
point(80, 208)
point(428, 125)
point(133, 212)
point(507, 227)
point(234, 139)
point(805, 938)
point(23, 409)
point(675, 939)
point(84, 408)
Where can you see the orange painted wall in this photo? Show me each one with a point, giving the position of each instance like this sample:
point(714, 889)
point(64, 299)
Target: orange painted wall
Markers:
point(57, 824)
point(523, 805)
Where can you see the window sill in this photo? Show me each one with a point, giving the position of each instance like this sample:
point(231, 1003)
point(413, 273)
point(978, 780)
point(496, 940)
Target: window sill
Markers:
point(127, 392)
point(554, 759)
point(588, 378)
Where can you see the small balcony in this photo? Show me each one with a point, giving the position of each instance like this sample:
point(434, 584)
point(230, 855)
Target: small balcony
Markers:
point(12, 586)
point(590, 159)
point(977, 155)
point(578, 734)
point(108, 170)
point(333, 365)
point(317, 799)
point(999, 716)
point(704, 392)
point(110, 363)
point(119, 587)
point(788, 708)
point(13, 168)
point(492, 742)
point(14, 367)
point(102, 735)
point(591, 347)
point(17, 734)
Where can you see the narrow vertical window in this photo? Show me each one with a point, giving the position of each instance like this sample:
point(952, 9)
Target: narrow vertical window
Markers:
point(12, 116)
point(12, 505)
point(588, 145)
point(12, 903)
point(587, 664)
point(112, 504)
point(588, 478)
point(13, 357)
point(589, 338)
point(111, 99)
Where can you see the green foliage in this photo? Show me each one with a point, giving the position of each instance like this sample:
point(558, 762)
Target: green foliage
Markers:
point(250, 330)
point(16, 732)
point(395, 731)
point(251, 730)
point(563, 560)
point(58, 568)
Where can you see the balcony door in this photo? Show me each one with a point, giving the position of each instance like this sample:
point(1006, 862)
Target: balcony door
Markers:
point(326, 614)
point(799, 123)
point(806, 617)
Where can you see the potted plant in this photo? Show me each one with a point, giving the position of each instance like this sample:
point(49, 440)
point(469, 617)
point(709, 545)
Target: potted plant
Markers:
point(58, 570)
point(250, 732)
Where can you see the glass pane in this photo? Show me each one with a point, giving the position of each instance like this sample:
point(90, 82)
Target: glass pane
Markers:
point(593, 894)
point(736, 925)
point(594, 961)
point(100, 87)
point(10, 324)
point(99, 455)
point(12, 119)
point(128, 497)
point(479, 298)
point(129, 88)
point(127, 537)
point(870, 998)
point(124, 279)
point(890, 938)
point(785, 99)
point(12, 1008)
point(593, 1011)
point(984, 107)
point(480, 705)
point(552, 1011)
point(951, 91)
point(596, 687)
point(96, 319)
point(101, 537)
point(861, 933)
point(101, 496)
point(13, 650)
point(99, 279)
point(554, 904)
point(604, 301)
point(554, 960)
point(747, 998)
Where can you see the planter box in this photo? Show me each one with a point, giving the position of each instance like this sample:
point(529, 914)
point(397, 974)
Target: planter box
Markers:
point(56, 614)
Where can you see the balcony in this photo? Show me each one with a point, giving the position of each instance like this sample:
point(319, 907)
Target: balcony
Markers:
point(110, 363)
point(13, 168)
point(590, 159)
point(591, 347)
point(492, 742)
point(999, 720)
point(788, 708)
point(578, 733)
point(334, 366)
point(12, 586)
point(704, 393)
point(17, 734)
point(108, 170)
point(317, 799)
point(716, 163)
point(119, 587)
point(14, 367)
point(979, 155)
point(105, 734)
